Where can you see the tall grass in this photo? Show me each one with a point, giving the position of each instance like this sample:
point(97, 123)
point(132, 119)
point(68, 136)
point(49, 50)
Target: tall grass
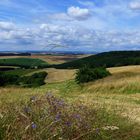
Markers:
point(52, 118)
point(104, 105)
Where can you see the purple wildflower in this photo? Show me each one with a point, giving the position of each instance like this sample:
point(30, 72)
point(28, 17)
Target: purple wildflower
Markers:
point(27, 109)
point(68, 124)
point(33, 125)
point(97, 130)
point(77, 116)
point(57, 118)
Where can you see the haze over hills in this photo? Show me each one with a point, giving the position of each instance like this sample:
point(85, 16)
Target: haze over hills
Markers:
point(46, 52)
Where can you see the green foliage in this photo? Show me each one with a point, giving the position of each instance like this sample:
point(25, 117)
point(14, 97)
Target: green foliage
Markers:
point(87, 74)
point(34, 80)
point(106, 59)
point(6, 79)
point(23, 62)
point(20, 72)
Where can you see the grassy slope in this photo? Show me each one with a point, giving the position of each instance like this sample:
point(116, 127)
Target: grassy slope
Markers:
point(107, 59)
point(22, 62)
point(121, 88)
point(118, 93)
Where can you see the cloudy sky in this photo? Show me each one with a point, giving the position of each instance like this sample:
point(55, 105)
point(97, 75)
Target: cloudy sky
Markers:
point(85, 25)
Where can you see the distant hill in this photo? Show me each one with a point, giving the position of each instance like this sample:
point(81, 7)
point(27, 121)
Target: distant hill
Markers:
point(14, 54)
point(106, 59)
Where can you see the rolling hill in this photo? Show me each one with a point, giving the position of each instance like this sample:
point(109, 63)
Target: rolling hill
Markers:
point(106, 59)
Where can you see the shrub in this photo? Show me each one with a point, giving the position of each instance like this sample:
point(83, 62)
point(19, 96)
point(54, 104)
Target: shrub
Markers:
point(8, 79)
point(34, 80)
point(87, 74)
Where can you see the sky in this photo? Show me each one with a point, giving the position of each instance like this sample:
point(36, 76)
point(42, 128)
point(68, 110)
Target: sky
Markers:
point(70, 25)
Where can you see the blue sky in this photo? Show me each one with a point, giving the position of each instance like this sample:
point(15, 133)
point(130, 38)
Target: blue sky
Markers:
point(85, 25)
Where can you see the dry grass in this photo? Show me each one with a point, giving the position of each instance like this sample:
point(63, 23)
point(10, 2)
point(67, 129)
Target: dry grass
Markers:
point(118, 94)
point(56, 75)
point(121, 91)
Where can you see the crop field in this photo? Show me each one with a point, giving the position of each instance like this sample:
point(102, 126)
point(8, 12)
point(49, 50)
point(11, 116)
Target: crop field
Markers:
point(20, 72)
point(118, 94)
point(58, 59)
point(23, 62)
point(51, 59)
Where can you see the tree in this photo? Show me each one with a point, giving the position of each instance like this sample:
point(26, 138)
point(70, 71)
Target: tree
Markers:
point(87, 74)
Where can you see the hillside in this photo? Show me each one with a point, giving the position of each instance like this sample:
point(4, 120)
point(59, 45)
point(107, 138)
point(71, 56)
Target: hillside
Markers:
point(106, 59)
point(117, 94)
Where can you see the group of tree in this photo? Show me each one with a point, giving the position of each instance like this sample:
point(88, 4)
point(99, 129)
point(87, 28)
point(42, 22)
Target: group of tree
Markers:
point(35, 80)
point(86, 74)
point(106, 59)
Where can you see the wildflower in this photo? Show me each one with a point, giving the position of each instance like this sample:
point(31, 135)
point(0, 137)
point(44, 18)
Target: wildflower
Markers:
point(27, 109)
point(111, 128)
point(32, 99)
point(60, 103)
point(97, 130)
point(33, 125)
point(57, 118)
point(77, 116)
point(68, 124)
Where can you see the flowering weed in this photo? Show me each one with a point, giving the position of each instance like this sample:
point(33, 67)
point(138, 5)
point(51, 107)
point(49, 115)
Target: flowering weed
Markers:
point(51, 118)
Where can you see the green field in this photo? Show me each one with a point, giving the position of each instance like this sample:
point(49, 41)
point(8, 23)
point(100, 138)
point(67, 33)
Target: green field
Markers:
point(23, 62)
point(110, 106)
point(20, 72)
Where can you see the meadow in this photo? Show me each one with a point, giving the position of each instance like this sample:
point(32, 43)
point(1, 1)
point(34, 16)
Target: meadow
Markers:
point(109, 108)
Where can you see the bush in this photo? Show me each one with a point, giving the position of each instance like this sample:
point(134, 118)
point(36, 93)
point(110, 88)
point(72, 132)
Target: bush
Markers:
point(87, 74)
point(8, 79)
point(34, 80)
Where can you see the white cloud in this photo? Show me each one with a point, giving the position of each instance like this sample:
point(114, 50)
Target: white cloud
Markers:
point(75, 37)
point(87, 3)
point(78, 13)
point(6, 25)
point(72, 13)
point(61, 16)
point(135, 5)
